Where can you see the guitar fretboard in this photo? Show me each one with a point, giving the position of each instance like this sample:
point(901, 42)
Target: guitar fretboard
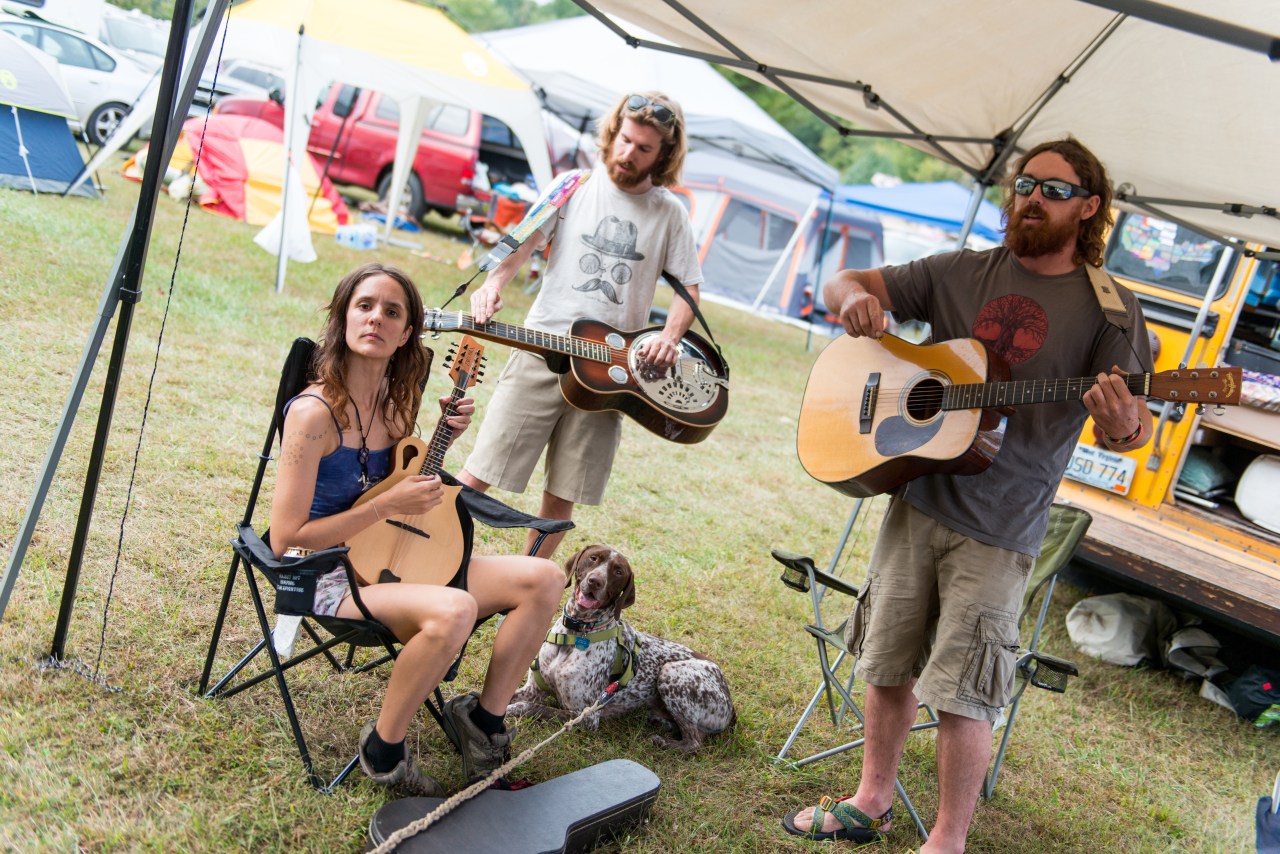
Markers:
point(533, 339)
point(1017, 392)
point(443, 435)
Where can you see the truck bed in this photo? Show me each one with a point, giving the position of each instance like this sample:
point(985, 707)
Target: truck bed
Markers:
point(1235, 579)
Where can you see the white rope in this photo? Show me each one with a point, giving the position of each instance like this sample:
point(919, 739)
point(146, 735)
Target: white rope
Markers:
point(480, 785)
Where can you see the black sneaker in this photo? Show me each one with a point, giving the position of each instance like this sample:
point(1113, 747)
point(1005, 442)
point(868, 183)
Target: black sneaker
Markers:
point(406, 777)
point(481, 753)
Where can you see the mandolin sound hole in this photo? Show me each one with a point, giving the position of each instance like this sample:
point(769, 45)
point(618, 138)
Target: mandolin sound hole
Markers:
point(924, 400)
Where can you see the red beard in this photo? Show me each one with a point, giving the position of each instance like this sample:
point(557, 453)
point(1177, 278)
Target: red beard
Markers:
point(1037, 239)
point(624, 179)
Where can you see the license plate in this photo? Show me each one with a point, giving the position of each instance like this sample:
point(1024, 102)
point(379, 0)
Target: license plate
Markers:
point(1103, 469)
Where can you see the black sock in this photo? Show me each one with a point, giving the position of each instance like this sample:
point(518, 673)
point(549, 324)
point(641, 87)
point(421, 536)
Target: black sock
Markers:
point(489, 723)
point(382, 756)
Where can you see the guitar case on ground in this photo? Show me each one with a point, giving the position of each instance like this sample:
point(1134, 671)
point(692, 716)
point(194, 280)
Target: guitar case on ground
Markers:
point(561, 816)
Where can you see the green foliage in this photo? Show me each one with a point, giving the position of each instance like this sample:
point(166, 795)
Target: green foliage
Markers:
point(478, 16)
point(856, 158)
point(162, 9)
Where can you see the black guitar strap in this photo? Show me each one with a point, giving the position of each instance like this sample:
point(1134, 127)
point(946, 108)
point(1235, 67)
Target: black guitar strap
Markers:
point(679, 288)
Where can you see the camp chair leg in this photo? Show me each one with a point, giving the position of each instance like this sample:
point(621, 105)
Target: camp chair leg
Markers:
point(804, 718)
point(276, 669)
point(218, 623)
point(833, 685)
point(217, 689)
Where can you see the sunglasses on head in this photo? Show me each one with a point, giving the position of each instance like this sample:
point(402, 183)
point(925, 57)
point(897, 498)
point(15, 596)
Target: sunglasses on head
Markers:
point(661, 112)
point(1050, 188)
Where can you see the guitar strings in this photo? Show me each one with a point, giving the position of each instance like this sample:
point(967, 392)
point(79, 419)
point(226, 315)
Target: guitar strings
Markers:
point(1012, 389)
point(403, 540)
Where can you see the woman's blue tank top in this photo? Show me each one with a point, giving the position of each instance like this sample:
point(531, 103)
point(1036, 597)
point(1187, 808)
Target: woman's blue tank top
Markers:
point(338, 478)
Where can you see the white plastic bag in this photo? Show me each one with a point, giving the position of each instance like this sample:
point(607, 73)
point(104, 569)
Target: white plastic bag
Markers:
point(1121, 628)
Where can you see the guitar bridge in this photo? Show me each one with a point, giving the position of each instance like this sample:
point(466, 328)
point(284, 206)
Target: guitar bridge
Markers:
point(869, 395)
point(404, 526)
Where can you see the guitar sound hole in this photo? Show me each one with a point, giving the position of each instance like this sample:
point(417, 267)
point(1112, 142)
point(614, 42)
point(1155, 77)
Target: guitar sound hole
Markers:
point(924, 401)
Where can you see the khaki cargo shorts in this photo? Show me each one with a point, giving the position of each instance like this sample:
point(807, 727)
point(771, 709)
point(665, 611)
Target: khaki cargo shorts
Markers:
point(943, 607)
point(528, 413)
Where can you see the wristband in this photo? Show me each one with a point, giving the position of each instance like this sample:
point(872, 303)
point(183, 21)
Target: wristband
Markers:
point(376, 514)
point(1127, 439)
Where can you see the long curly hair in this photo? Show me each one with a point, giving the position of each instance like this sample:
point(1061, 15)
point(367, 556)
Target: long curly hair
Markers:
point(1091, 239)
point(407, 370)
point(670, 162)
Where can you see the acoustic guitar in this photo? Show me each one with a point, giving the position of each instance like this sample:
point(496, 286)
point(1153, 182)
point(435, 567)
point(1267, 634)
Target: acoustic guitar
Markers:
point(880, 412)
point(425, 548)
point(599, 370)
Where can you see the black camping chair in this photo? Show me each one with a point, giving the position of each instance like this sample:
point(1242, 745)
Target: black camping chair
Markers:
point(293, 581)
point(1067, 525)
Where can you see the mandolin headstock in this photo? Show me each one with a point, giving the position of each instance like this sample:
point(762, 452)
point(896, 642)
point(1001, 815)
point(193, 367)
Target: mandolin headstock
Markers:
point(467, 361)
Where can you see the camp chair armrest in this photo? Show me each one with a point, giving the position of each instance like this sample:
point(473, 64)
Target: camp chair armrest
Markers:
point(495, 514)
point(800, 568)
point(264, 558)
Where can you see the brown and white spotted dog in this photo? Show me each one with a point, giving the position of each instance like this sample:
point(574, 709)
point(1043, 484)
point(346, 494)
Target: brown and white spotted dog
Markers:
point(683, 690)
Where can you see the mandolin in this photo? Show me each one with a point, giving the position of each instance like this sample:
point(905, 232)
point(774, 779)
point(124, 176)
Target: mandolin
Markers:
point(879, 412)
point(426, 548)
point(599, 370)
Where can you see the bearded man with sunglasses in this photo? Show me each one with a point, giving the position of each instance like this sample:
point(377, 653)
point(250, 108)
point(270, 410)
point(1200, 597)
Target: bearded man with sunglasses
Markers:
point(935, 620)
point(617, 233)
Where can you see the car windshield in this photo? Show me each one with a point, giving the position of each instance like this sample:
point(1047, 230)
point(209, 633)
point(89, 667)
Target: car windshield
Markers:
point(134, 35)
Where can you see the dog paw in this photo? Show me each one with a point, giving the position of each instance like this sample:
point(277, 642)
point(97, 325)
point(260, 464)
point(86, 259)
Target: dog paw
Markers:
point(682, 745)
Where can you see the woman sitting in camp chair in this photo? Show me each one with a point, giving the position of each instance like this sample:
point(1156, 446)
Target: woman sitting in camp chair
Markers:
point(367, 378)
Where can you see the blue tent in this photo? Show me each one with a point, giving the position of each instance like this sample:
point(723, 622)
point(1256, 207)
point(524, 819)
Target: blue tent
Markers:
point(37, 150)
point(940, 203)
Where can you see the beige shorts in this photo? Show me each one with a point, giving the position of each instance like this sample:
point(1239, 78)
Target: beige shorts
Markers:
point(942, 607)
point(528, 413)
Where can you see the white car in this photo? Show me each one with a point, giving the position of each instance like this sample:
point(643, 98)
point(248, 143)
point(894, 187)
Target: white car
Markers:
point(103, 83)
point(142, 38)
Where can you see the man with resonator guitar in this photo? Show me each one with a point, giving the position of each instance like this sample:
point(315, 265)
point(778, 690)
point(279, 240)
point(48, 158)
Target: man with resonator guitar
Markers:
point(935, 619)
point(616, 229)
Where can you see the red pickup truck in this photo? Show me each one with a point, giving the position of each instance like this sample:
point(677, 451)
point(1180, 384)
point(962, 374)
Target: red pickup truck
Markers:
point(354, 130)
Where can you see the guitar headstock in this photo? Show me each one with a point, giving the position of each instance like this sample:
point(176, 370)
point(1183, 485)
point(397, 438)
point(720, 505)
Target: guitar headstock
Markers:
point(1198, 385)
point(439, 320)
point(466, 367)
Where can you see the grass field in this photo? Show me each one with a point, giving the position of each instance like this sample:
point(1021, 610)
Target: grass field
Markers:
point(1127, 760)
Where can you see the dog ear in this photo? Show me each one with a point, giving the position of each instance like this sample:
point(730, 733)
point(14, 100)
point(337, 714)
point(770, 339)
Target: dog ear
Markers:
point(626, 598)
point(570, 565)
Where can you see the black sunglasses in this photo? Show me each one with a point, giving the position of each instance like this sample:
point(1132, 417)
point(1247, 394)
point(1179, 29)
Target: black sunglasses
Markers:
point(661, 112)
point(1050, 188)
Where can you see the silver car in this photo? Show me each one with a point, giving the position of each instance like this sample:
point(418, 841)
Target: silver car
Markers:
point(103, 83)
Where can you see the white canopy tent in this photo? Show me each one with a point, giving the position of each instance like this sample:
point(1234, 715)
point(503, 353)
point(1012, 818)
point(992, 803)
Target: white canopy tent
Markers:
point(580, 73)
point(1182, 111)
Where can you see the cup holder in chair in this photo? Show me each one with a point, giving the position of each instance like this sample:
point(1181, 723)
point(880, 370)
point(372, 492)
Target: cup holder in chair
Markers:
point(1049, 672)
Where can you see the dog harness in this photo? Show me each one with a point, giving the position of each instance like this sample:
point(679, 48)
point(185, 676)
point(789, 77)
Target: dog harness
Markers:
point(623, 656)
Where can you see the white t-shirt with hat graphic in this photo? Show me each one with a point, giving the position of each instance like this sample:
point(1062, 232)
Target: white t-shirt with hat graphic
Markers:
point(608, 250)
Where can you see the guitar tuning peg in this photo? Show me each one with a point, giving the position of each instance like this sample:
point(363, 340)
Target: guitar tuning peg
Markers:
point(1219, 410)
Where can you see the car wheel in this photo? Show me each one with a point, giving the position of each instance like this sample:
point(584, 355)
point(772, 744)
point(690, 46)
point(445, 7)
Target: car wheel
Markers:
point(412, 197)
point(104, 121)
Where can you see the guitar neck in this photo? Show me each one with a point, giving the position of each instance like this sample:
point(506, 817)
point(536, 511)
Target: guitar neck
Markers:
point(1018, 392)
point(535, 340)
point(442, 437)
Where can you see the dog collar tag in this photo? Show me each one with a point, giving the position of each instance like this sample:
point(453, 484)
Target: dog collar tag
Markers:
point(582, 642)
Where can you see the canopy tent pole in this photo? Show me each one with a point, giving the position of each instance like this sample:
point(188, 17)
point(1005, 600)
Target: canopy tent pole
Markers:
point(291, 110)
point(123, 290)
point(971, 213)
point(786, 252)
point(819, 257)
